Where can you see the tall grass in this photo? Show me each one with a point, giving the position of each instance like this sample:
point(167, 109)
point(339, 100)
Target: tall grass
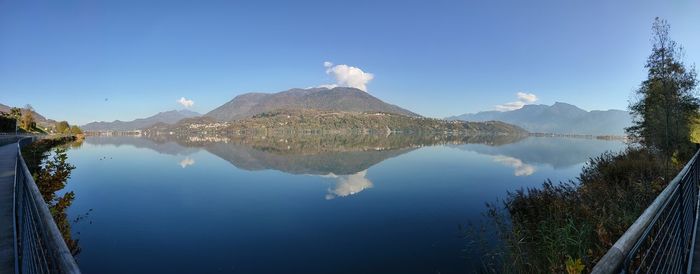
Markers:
point(567, 226)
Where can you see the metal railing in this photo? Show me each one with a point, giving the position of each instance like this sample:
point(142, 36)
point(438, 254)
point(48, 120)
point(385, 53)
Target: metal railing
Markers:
point(39, 246)
point(662, 239)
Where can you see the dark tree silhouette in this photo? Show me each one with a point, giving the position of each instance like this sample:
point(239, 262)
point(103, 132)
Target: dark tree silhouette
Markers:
point(667, 106)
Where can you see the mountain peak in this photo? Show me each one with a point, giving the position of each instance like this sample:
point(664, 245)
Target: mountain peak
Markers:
point(568, 109)
point(531, 106)
point(564, 105)
point(345, 99)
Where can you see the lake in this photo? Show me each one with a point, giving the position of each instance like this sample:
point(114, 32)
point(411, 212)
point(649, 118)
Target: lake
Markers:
point(322, 205)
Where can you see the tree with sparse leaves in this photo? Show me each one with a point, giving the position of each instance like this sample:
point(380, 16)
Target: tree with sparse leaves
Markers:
point(667, 106)
point(27, 122)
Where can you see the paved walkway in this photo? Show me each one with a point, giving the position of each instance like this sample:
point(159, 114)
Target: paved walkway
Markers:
point(8, 158)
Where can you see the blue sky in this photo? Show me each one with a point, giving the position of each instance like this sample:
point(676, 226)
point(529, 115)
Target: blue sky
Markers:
point(437, 58)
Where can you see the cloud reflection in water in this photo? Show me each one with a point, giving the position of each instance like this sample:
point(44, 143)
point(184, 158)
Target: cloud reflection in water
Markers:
point(346, 185)
point(186, 162)
point(521, 169)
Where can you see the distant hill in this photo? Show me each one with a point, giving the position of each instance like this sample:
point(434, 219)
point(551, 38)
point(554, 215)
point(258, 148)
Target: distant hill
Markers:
point(560, 118)
point(40, 120)
point(323, 99)
point(168, 117)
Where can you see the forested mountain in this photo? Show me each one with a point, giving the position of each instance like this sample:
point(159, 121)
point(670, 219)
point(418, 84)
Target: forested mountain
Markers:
point(344, 99)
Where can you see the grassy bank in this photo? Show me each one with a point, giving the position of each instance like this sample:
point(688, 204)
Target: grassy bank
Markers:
point(566, 227)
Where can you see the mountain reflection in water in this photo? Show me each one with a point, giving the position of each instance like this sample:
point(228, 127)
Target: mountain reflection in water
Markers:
point(342, 159)
point(386, 204)
point(345, 159)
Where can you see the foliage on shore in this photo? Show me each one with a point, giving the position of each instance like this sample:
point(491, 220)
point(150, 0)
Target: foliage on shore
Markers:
point(46, 159)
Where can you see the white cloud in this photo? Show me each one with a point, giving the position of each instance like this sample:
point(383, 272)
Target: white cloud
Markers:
point(185, 102)
point(348, 76)
point(527, 98)
point(521, 169)
point(510, 106)
point(347, 185)
point(186, 162)
point(523, 99)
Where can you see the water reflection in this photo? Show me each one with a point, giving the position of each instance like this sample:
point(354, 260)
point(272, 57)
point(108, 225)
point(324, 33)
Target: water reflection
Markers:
point(521, 169)
point(558, 153)
point(186, 162)
point(284, 198)
point(347, 185)
point(345, 159)
point(158, 145)
point(313, 154)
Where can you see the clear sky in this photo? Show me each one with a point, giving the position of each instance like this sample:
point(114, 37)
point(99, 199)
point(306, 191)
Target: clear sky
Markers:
point(86, 61)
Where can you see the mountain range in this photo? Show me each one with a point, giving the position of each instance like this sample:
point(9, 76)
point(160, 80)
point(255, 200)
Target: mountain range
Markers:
point(343, 99)
point(168, 117)
point(559, 118)
point(323, 99)
point(40, 120)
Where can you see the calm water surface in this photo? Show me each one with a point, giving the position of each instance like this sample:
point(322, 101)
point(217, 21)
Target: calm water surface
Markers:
point(279, 206)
